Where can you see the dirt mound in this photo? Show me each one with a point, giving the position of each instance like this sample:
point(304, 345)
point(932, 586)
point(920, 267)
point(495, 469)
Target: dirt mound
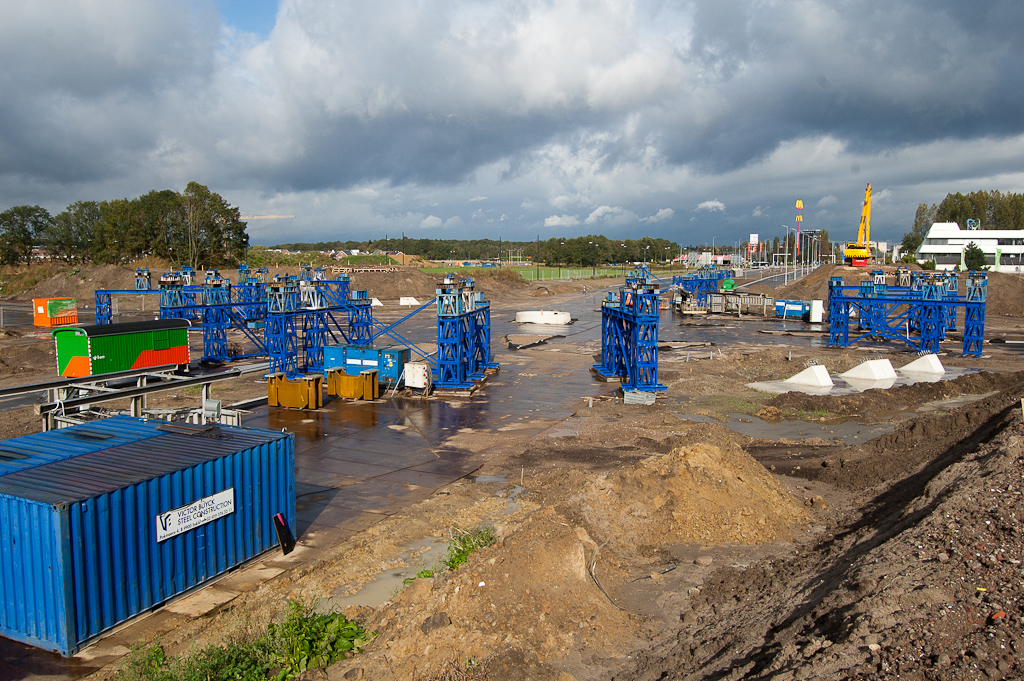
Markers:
point(922, 582)
point(691, 495)
point(532, 591)
point(1005, 294)
point(391, 286)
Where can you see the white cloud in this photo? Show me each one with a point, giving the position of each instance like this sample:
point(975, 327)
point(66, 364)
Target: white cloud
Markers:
point(561, 221)
point(759, 211)
point(661, 216)
point(826, 201)
point(477, 199)
point(430, 222)
point(601, 213)
point(711, 206)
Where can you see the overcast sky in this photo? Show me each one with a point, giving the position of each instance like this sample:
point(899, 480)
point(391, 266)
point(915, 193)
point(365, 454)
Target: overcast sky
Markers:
point(516, 118)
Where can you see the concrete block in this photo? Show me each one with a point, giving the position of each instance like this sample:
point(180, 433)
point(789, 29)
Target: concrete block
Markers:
point(872, 370)
point(815, 376)
point(374, 302)
point(928, 364)
point(862, 384)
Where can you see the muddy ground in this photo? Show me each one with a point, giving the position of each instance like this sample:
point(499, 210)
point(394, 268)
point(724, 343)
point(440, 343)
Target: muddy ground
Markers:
point(638, 542)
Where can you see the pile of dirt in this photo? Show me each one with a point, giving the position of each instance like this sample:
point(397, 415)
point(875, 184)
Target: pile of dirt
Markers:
point(1005, 294)
point(526, 600)
point(542, 591)
point(694, 494)
point(921, 581)
point(80, 282)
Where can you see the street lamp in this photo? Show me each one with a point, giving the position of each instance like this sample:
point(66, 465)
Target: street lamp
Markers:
point(623, 259)
point(785, 276)
point(593, 272)
point(645, 253)
point(560, 244)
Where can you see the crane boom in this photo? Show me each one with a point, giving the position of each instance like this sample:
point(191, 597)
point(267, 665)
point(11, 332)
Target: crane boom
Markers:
point(253, 216)
point(858, 254)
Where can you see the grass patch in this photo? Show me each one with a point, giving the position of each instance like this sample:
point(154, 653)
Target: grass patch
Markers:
point(460, 546)
point(464, 543)
point(304, 640)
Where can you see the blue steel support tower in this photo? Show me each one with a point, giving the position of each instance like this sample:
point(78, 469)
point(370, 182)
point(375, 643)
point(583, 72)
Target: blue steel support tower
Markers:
point(974, 313)
point(629, 337)
point(216, 296)
point(282, 344)
point(454, 336)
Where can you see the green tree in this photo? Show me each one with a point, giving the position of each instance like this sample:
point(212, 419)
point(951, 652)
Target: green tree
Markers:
point(72, 231)
point(923, 220)
point(974, 257)
point(20, 228)
point(210, 231)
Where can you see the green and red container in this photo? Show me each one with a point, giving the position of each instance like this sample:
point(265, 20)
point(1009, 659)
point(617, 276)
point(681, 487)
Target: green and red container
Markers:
point(105, 348)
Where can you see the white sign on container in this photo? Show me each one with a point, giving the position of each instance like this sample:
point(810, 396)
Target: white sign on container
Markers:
point(185, 518)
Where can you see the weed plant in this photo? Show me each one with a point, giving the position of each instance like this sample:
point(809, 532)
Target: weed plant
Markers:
point(459, 547)
point(466, 542)
point(304, 640)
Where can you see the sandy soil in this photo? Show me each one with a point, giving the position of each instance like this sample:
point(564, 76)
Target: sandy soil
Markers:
point(645, 545)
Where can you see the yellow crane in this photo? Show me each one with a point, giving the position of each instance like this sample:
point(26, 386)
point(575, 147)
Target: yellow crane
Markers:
point(858, 253)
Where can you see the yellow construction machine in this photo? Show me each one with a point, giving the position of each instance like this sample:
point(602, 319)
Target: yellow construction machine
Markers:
point(858, 253)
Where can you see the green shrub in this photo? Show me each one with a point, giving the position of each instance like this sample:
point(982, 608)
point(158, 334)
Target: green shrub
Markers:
point(304, 640)
point(464, 543)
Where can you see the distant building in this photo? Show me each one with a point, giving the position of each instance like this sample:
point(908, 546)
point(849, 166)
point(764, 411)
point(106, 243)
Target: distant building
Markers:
point(945, 244)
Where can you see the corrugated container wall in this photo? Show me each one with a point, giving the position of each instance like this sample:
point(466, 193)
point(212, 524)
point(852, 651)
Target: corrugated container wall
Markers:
point(103, 521)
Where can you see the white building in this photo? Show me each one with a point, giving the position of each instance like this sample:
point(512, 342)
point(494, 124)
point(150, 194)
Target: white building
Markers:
point(945, 244)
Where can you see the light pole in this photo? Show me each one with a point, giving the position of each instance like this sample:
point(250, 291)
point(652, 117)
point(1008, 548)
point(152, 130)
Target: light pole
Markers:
point(560, 244)
point(785, 276)
point(623, 259)
point(645, 253)
point(593, 272)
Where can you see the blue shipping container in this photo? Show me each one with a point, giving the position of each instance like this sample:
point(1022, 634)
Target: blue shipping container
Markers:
point(102, 521)
point(355, 359)
point(792, 309)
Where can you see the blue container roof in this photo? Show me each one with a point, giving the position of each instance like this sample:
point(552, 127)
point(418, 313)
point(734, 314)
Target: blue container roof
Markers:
point(80, 462)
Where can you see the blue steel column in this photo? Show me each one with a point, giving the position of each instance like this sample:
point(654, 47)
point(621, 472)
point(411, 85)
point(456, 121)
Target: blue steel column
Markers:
point(216, 296)
point(452, 345)
point(974, 313)
point(643, 361)
point(629, 336)
point(104, 311)
point(933, 323)
point(838, 314)
point(314, 325)
point(282, 303)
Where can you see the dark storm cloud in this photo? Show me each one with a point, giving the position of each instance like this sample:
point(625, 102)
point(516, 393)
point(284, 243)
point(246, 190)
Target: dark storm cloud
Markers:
point(556, 111)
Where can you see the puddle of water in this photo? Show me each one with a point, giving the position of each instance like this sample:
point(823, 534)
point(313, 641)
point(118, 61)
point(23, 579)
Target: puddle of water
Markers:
point(429, 552)
point(487, 478)
point(751, 426)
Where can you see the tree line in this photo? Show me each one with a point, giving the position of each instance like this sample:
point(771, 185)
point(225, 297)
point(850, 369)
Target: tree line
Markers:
point(986, 209)
point(583, 251)
point(195, 227)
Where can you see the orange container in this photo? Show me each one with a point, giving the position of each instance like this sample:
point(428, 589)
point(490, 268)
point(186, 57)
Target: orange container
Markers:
point(54, 311)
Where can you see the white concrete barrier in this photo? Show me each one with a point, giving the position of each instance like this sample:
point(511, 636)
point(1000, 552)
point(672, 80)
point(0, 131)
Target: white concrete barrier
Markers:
point(543, 317)
point(928, 364)
point(408, 300)
point(815, 376)
point(872, 370)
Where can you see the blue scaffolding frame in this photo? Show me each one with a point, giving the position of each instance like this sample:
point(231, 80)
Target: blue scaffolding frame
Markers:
point(919, 315)
point(629, 336)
